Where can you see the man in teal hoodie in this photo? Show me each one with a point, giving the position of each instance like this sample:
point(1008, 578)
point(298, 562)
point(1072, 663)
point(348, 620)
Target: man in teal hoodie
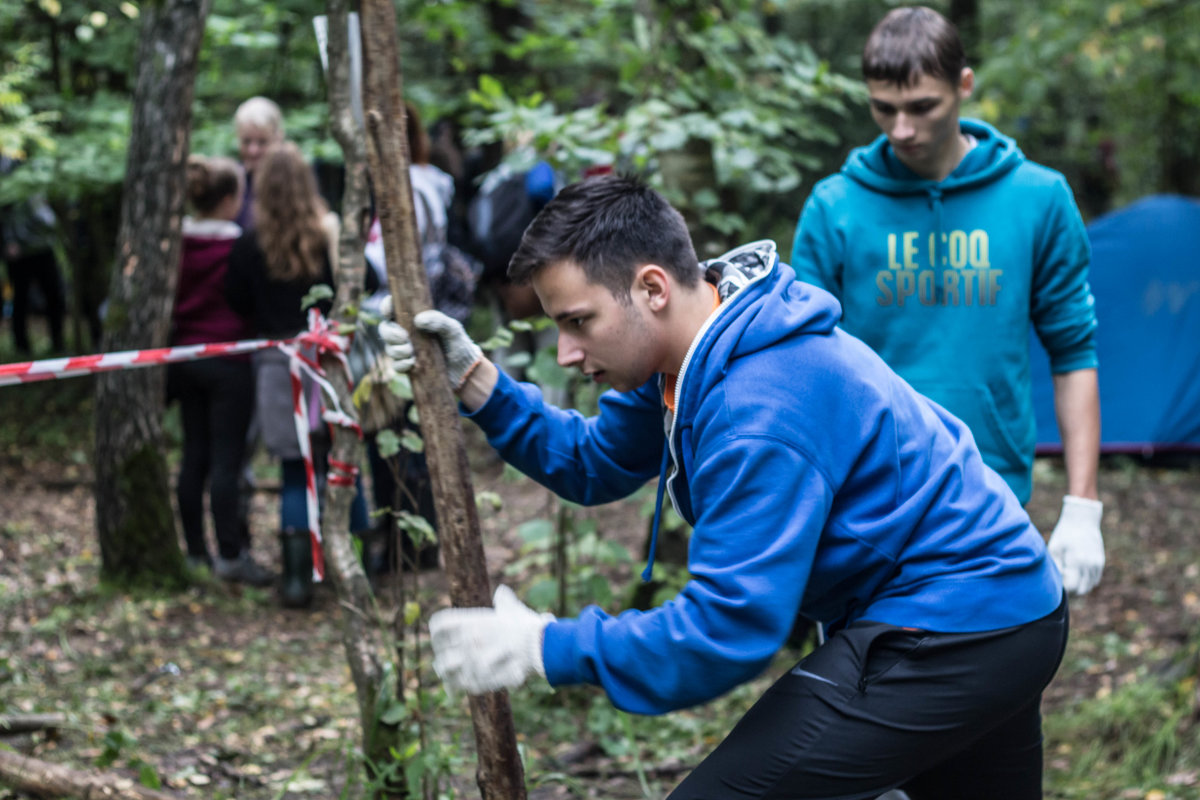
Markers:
point(816, 481)
point(943, 243)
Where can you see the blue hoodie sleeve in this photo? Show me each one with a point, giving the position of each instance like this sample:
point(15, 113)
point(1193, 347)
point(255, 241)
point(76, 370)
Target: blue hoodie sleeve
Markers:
point(586, 460)
point(1061, 302)
point(749, 559)
point(817, 250)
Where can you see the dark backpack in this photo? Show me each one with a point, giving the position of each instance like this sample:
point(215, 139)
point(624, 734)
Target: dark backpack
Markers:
point(497, 217)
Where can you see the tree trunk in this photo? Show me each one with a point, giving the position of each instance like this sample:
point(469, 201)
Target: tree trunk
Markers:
point(26, 723)
point(499, 774)
point(360, 635)
point(44, 779)
point(134, 520)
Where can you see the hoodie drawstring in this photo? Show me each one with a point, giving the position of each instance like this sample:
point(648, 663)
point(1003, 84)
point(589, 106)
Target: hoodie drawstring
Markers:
point(935, 204)
point(648, 572)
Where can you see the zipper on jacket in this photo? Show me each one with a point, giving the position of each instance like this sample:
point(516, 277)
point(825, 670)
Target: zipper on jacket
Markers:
point(669, 455)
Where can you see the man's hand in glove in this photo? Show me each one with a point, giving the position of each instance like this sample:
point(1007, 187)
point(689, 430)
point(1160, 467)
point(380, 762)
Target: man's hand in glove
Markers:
point(463, 356)
point(1076, 544)
point(478, 650)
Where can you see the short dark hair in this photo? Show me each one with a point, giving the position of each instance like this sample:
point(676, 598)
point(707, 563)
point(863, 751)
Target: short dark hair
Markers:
point(610, 225)
point(910, 42)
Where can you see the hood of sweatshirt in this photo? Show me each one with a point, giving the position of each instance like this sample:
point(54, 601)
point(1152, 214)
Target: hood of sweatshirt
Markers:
point(877, 167)
point(754, 287)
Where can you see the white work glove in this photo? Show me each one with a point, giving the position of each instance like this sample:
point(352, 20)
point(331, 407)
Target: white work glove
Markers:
point(1076, 544)
point(478, 650)
point(462, 354)
point(397, 345)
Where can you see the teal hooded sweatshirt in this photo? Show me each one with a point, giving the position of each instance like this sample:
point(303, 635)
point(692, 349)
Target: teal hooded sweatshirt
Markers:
point(942, 279)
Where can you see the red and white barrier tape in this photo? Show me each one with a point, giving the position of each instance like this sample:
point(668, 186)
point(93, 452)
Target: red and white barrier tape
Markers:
point(304, 354)
point(51, 368)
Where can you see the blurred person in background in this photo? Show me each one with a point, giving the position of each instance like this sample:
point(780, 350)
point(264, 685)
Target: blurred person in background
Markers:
point(271, 269)
point(258, 124)
point(216, 395)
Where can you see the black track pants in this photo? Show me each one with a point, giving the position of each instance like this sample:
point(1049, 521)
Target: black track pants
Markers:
point(942, 716)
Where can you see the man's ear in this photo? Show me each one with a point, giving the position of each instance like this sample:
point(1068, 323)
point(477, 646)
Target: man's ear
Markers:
point(653, 284)
point(966, 83)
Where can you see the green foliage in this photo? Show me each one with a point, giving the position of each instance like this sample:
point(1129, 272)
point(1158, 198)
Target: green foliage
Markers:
point(115, 749)
point(50, 419)
point(424, 762)
point(690, 73)
point(388, 443)
point(21, 128)
point(316, 294)
point(1100, 91)
point(64, 97)
point(1136, 736)
point(590, 559)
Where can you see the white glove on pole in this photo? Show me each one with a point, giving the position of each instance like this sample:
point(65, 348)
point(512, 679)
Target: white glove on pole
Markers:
point(397, 345)
point(1076, 544)
point(479, 650)
point(462, 354)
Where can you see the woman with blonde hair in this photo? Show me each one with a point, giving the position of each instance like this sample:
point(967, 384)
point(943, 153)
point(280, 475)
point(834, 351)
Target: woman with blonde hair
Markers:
point(258, 125)
point(271, 269)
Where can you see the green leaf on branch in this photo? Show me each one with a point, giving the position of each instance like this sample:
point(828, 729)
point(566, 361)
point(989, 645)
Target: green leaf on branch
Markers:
point(401, 386)
point(489, 500)
point(387, 442)
point(535, 531)
point(411, 442)
point(316, 294)
point(503, 337)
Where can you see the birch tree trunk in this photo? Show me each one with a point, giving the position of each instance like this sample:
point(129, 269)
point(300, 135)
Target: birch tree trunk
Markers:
point(362, 635)
point(134, 521)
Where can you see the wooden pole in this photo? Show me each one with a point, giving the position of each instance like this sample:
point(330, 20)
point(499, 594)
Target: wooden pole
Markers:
point(499, 775)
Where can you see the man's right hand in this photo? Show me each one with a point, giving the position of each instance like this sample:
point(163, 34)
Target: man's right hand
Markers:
point(462, 354)
point(397, 345)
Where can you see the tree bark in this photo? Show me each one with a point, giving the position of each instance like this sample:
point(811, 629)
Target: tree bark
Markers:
point(499, 773)
point(44, 779)
point(134, 520)
point(361, 635)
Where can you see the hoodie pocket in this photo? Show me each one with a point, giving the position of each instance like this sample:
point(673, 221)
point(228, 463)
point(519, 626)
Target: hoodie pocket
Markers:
point(977, 408)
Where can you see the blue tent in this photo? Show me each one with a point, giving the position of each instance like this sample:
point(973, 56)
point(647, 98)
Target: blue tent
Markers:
point(1145, 276)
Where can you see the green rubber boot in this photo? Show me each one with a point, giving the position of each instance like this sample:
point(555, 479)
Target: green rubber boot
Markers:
point(297, 588)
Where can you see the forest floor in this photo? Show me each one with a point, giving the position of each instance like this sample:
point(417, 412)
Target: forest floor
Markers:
point(219, 692)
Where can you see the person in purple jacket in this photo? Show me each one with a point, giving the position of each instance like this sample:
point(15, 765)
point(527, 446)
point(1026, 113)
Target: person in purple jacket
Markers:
point(216, 395)
point(816, 481)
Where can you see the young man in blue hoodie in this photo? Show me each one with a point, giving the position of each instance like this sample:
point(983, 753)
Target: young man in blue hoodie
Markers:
point(816, 481)
point(943, 243)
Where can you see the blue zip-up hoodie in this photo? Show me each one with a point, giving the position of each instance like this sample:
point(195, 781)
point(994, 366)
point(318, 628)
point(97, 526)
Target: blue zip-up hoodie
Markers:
point(815, 479)
point(942, 279)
